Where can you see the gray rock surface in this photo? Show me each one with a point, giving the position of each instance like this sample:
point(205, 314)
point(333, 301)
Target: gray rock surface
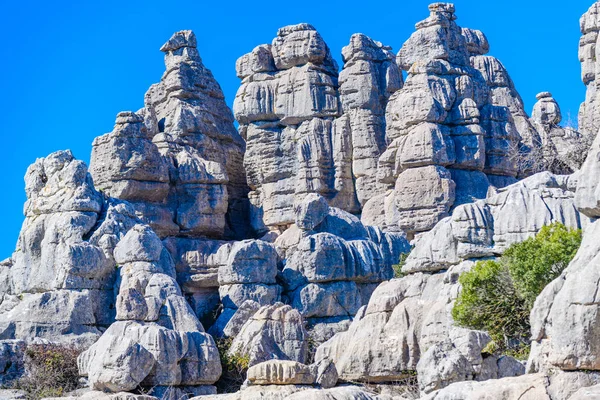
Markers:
point(589, 113)
point(179, 159)
point(333, 263)
point(273, 333)
point(58, 284)
point(411, 315)
point(559, 145)
point(309, 130)
point(450, 129)
point(157, 339)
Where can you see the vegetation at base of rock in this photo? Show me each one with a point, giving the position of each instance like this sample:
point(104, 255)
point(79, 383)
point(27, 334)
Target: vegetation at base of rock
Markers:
point(50, 371)
point(234, 367)
point(497, 295)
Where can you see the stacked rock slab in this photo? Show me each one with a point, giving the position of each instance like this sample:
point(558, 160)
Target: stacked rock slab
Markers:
point(563, 363)
point(179, 159)
point(58, 283)
point(369, 76)
point(274, 332)
point(589, 112)
point(559, 145)
point(288, 108)
point(333, 264)
point(407, 325)
point(157, 340)
point(450, 129)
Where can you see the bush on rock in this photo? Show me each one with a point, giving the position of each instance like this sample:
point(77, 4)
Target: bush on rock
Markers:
point(497, 295)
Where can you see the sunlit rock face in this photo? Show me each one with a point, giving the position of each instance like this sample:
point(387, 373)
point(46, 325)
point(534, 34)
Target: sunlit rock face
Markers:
point(589, 112)
point(308, 129)
point(178, 160)
point(451, 129)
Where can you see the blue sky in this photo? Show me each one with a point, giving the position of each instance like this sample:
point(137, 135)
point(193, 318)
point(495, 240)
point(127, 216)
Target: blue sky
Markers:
point(69, 66)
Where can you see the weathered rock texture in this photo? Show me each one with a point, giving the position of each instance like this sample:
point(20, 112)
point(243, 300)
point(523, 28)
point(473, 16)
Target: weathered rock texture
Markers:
point(306, 131)
point(157, 340)
point(407, 325)
point(451, 129)
point(333, 264)
point(58, 284)
point(179, 159)
point(561, 147)
point(589, 112)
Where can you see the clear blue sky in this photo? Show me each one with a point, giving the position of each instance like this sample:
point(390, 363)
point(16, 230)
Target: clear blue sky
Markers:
point(67, 67)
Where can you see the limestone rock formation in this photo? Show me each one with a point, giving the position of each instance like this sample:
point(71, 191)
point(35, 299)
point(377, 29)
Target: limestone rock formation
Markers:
point(58, 283)
point(589, 112)
point(306, 131)
point(273, 332)
point(179, 159)
point(157, 340)
point(333, 264)
point(561, 147)
point(451, 129)
point(411, 315)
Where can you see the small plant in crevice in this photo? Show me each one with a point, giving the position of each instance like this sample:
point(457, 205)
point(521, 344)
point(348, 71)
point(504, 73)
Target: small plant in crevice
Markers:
point(497, 295)
point(234, 367)
point(401, 262)
point(50, 371)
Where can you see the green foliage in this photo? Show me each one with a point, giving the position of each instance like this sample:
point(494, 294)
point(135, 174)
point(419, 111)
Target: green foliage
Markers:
point(50, 371)
point(398, 267)
point(497, 296)
point(537, 261)
point(234, 367)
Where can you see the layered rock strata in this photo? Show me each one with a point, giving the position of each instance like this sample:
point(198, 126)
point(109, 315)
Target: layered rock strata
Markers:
point(589, 112)
point(179, 159)
point(333, 264)
point(411, 315)
point(451, 129)
point(306, 131)
point(562, 148)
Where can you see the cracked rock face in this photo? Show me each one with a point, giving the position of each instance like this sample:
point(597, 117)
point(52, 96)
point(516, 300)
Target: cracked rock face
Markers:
point(451, 127)
point(589, 112)
point(309, 130)
point(157, 340)
point(58, 282)
point(178, 160)
point(411, 315)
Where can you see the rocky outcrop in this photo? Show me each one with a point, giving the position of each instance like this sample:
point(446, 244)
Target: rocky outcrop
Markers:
point(58, 283)
point(450, 129)
point(561, 147)
point(333, 264)
point(179, 159)
point(273, 333)
point(407, 325)
point(157, 341)
point(306, 131)
point(368, 78)
point(589, 112)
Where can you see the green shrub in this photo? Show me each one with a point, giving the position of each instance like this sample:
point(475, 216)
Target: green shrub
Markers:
point(398, 267)
point(50, 371)
point(537, 261)
point(497, 296)
point(234, 367)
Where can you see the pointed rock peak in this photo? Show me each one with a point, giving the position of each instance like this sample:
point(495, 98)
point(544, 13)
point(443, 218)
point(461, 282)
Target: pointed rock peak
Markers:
point(180, 39)
point(362, 47)
point(442, 8)
point(543, 95)
point(286, 30)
